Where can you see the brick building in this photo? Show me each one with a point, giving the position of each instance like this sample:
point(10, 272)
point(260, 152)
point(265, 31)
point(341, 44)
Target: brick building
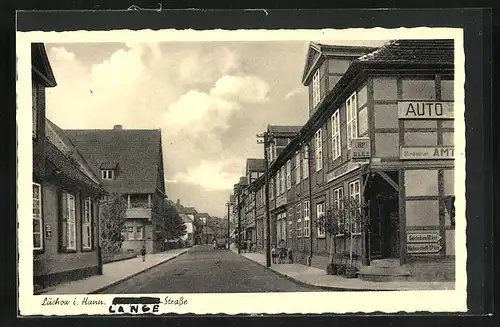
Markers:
point(380, 132)
point(65, 195)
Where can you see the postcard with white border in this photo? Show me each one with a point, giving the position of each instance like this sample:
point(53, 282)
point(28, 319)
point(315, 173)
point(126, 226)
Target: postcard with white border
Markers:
point(241, 171)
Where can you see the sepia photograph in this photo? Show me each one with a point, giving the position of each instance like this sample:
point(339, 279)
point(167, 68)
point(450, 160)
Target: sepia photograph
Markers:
point(319, 164)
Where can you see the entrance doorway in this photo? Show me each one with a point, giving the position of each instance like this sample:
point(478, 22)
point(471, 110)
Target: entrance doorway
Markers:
point(383, 236)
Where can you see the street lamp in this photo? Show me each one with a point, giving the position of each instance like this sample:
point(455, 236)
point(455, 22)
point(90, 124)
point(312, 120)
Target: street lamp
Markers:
point(266, 139)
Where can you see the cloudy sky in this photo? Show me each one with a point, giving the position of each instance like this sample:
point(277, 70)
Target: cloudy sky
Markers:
point(210, 99)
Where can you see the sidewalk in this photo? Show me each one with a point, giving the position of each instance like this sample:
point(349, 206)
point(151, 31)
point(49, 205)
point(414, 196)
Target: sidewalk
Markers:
point(318, 278)
point(114, 273)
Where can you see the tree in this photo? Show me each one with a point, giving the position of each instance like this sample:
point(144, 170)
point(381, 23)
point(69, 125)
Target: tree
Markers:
point(112, 221)
point(174, 226)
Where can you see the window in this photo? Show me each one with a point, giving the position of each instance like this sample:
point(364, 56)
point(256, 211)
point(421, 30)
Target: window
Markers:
point(336, 146)
point(282, 181)
point(305, 163)
point(34, 106)
point(338, 194)
point(37, 217)
point(352, 119)
point(68, 221)
point(306, 218)
point(107, 174)
point(320, 211)
point(278, 183)
point(354, 194)
point(130, 233)
point(290, 228)
point(318, 147)
point(139, 234)
point(297, 167)
point(87, 224)
point(316, 92)
point(299, 222)
point(289, 175)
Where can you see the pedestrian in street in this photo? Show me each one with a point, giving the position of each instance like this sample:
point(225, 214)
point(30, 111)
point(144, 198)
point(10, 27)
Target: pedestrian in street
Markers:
point(143, 253)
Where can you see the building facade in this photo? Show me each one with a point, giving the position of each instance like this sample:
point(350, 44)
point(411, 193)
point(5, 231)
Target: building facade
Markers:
point(130, 163)
point(65, 195)
point(380, 134)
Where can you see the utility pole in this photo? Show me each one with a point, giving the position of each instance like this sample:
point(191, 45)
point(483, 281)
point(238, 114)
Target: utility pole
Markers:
point(266, 139)
point(239, 220)
point(309, 165)
point(228, 223)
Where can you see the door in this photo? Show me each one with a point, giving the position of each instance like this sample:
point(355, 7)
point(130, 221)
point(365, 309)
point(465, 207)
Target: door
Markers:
point(376, 235)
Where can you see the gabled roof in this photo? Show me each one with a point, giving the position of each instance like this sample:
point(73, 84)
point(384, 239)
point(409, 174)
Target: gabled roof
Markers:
point(137, 154)
point(189, 210)
point(41, 66)
point(56, 136)
point(413, 51)
point(283, 130)
point(185, 218)
point(317, 52)
point(255, 165)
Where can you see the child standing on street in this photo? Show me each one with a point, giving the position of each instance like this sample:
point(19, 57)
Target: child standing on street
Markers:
point(143, 253)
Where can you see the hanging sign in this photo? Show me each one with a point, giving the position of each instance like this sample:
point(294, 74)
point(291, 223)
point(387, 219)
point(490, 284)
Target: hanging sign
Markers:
point(423, 237)
point(429, 153)
point(361, 148)
point(423, 248)
point(425, 110)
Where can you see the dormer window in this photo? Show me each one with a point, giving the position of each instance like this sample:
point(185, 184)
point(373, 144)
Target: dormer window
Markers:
point(316, 93)
point(107, 174)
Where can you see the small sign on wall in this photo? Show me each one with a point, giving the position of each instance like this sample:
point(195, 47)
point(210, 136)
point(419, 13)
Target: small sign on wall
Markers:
point(429, 153)
point(48, 232)
point(360, 148)
point(423, 248)
point(423, 237)
point(425, 110)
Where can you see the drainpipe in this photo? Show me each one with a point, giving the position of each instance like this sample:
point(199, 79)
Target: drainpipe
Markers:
point(310, 205)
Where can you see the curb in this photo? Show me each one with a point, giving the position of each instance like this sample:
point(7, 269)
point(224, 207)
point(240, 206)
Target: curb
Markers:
point(321, 287)
point(134, 274)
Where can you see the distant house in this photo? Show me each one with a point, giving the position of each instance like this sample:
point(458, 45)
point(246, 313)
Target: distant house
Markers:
point(193, 224)
point(130, 163)
point(65, 195)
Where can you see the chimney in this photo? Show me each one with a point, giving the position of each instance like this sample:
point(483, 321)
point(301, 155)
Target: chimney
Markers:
point(118, 127)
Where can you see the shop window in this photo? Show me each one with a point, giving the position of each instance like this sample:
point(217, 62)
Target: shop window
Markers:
point(421, 182)
point(422, 213)
point(139, 234)
point(447, 90)
point(420, 138)
point(420, 124)
point(37, 217)
point(449, 138)
point(363, 121)
point(385, 89)
point(338, 195)
point(362, 96)
point(387, 145)
point(386, 116)
point(419, 89)
point(130, 233)
point(449, 181)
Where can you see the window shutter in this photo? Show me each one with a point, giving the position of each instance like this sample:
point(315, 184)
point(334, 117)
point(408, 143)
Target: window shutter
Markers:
point(62, 230)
